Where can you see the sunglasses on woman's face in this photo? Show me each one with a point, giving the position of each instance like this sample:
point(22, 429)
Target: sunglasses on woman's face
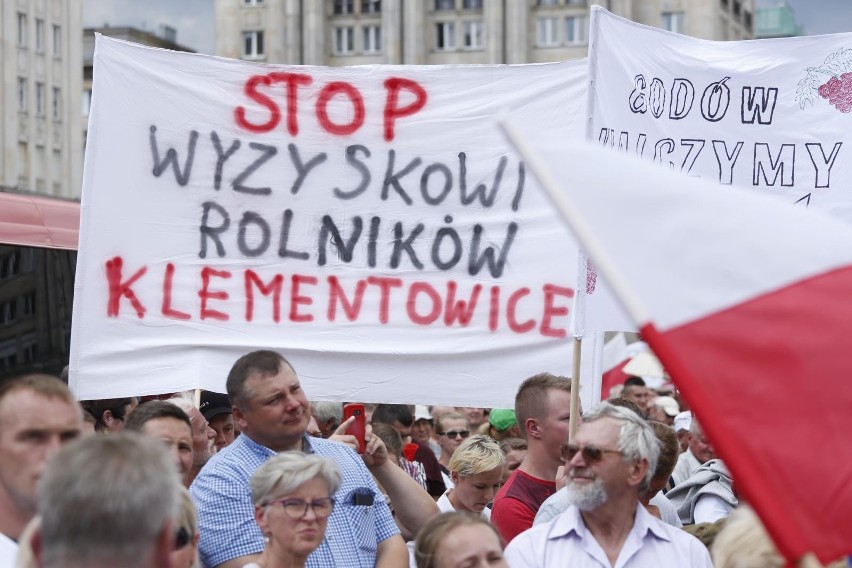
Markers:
point(591, 454)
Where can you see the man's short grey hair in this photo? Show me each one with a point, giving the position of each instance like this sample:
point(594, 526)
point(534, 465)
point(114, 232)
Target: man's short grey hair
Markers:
point(323, 411)
point(287, 471)
point(636, 438)
point(184, 402)
point(105, 500)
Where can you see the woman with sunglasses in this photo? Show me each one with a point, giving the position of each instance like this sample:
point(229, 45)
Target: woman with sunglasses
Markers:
point(185, 553)
point(476, 470)
point(292, 495)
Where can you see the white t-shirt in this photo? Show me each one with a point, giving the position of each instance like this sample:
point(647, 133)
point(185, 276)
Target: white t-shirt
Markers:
point(8, 551)
point(710, 508)
point(446, 507)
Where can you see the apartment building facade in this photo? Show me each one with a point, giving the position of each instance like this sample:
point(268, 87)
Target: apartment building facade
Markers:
point(41, 56)
point(356, 32)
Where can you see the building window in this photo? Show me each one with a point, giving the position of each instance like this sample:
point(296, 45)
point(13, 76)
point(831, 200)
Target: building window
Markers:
point(445, 36)
point(28, 304)
point(39, 39)
point(56, 104)
point(23, 166)
point(747, 20)
point(28, 260)
point(673, 21)
point(57, 165)
point(371, 6)
point(40, 167)
point(372, 39)
point(344, 6)
point(39, 98)
point(343, 40)
point(22, 94)
point(8, 351)
point(472, 4)
point(22, 30)
point(8, 312)
point(548, 33)
point(548, 2)
point(576, 30)
point(87, 101)
point(737, 7)
point(10, 264)
point(474, 35)
point(445, 4)
point(253, 45)
point(576, 2)
point(57, 41)
point(30, 350)
point(252, 2)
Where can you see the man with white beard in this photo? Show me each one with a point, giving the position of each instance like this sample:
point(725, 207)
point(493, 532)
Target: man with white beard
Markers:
point(610, 463)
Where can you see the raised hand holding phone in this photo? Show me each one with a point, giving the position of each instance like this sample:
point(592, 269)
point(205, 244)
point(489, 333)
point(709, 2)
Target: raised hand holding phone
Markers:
point(358, 426)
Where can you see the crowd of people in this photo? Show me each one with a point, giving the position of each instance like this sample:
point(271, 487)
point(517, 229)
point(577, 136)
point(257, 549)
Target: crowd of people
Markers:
point(263, 478)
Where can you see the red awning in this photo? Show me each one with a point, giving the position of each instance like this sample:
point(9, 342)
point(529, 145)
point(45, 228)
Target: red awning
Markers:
point(27, 220)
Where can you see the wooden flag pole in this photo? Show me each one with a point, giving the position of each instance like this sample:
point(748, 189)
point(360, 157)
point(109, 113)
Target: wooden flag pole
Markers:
point(809, 560)
point(574, 419)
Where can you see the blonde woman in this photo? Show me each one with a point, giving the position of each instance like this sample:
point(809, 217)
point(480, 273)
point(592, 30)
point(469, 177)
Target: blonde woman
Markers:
point(185, 553)
point(293, 498)
point(476, 470)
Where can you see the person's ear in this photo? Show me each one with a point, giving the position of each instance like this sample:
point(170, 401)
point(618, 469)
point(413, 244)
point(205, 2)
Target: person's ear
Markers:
point(260, 519)
point(454, 477)
point(108, 419)
point(637, 472)
point(533, 428)
point(239, 418)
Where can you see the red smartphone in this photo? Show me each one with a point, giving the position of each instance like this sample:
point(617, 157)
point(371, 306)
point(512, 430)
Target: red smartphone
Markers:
point(359, 427)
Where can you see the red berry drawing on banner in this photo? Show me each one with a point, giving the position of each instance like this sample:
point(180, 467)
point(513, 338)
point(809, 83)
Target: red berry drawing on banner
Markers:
point(832, 81)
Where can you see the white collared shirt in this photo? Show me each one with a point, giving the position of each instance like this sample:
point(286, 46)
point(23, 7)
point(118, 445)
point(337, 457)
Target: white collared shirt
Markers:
point(8, 551)
point(566, 542)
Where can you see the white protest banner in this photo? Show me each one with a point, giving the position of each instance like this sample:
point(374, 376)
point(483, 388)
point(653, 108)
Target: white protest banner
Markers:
point(772, 115)
point(370, 223)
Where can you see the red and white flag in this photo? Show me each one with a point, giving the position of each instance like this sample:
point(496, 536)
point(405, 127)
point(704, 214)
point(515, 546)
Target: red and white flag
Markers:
point(747, 300)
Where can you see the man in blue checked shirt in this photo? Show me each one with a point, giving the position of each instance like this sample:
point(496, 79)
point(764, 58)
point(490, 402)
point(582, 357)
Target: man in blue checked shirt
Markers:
point(272, 411)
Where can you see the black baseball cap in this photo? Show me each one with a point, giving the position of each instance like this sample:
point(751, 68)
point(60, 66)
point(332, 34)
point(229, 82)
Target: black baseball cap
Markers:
point(214, 404)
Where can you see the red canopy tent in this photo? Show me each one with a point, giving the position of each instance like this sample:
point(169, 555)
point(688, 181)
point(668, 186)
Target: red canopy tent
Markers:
point(27, 220)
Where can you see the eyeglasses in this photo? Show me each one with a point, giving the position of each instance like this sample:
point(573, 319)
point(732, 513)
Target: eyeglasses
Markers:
point(298, 508)
point(457, 434)
point(182, 538)
point(591, 454)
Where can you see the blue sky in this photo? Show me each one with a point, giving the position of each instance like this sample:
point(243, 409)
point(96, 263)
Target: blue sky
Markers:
point(821, 16)
point(194, 20)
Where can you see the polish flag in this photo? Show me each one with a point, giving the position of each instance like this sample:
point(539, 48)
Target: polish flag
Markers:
point(747, 301)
